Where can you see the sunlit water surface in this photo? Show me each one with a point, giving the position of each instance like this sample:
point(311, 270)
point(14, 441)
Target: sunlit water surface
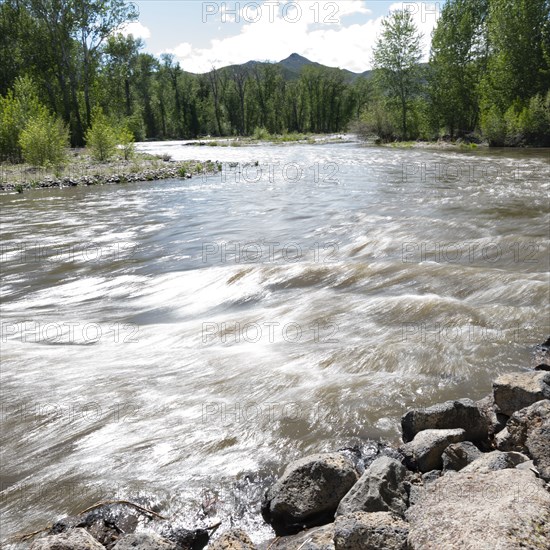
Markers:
point(178, 342)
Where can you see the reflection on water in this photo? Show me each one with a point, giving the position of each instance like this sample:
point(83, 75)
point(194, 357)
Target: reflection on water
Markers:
point(175, 340)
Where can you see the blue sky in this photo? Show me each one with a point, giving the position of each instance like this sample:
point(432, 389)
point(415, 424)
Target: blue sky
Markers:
point(202, 34)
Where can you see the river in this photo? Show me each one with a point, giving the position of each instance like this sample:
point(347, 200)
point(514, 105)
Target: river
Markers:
point(177, 342)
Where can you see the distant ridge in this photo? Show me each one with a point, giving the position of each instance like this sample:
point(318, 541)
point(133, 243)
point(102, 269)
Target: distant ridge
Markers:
point(292, 66)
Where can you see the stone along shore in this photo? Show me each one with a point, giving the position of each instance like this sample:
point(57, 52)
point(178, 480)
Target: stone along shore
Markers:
point(468, 475)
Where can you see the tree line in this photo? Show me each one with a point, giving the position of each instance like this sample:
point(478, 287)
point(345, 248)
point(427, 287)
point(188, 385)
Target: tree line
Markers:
point(488, 77)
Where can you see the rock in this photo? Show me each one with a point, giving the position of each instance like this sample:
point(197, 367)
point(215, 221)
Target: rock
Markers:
point(515, 391)
point(75, 539)
point(233, 540)
point(463, 413)
point(379, 489)
point(370, 531)
point(458, 455)
point(144, 541)
point(318, 538)
point(186, 539)
point(505, 509)
point(425, 450)
point(495, 460)
point(528, 430)
point(542, 355)
point(105, 524)
point(308, 492)
point(496, 421)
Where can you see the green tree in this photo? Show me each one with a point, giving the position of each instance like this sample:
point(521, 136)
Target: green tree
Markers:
point(44, 141)
point(101, 138)
point(457, 62)
point(396, 58)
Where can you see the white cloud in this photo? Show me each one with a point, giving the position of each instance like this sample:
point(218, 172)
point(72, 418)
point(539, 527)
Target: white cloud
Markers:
point(137, 29)
point(275, 37)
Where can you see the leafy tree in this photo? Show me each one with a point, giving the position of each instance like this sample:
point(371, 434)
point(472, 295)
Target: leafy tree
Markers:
point(101, 138)
point(44, 141)
point(396, 59)
point(458, 60)
point(16, 109)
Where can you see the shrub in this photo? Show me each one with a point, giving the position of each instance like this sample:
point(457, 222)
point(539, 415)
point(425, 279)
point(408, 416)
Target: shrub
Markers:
point(261, 134)
point(44, 141)
point(101, 138)
point(126, 142)
point(493, 126)
point(16, 109)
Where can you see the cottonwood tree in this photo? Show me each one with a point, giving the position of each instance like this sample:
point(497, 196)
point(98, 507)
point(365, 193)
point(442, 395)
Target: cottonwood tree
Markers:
point(396, 58)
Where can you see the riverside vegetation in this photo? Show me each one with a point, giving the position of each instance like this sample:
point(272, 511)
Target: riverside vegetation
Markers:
point(467, 475)
point(488, 79)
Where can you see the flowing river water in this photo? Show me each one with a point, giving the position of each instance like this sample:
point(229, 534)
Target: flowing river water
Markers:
point(178, 342)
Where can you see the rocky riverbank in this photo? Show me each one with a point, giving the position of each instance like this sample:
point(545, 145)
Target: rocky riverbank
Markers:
point(468, 475)
point(112, 174)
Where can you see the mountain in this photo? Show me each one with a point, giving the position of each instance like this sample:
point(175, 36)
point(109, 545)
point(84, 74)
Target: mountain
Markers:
point(292, 66)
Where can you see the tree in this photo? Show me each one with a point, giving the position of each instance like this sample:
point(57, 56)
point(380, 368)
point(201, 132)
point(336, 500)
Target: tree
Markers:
point(396, 58)
point(44, 141)
point(457, 62)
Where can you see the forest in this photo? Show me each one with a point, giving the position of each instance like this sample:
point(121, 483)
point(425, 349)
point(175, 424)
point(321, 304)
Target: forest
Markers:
point(64, 66)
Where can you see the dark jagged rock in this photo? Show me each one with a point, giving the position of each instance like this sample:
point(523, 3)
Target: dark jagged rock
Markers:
point(75, 539)
point(186, 539)
point(379, 489)
point(528, 431)
point(462, 413)
point(308, 492)
point(458, 455)
point(515, 391)
point(424, 451)
point(370, 531)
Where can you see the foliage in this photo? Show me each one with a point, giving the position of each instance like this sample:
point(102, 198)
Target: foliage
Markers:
point(101, 138)
point(396, 58)
point(126, 142)
point(44, 141)
point(16, 109)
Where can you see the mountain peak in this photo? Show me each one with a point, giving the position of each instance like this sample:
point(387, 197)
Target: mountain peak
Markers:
point(296, 57)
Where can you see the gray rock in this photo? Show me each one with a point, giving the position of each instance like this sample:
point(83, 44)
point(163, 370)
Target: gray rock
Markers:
point(75, 539)
point(528, 431)
point(458, 455)
point(495, 460)
point(463, 413)
point(425, 450)
point(496, 421)
point(144, 541)
point(515, 391)
point(505, 509)
point(235, 539)
point(318, 538)
point(370, 531)
point(308, 492)
point(379, 489)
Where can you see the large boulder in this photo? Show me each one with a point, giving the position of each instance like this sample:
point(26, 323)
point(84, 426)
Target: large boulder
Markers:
point(379, 489)
point(144, 541)
point(528, 430)
point(496, 420)
point(75, 539)
point(424, 451)
point(515, 391)
point(458, 455)
point(318, 538)
point(495, 460)
point(370, 531)
point(463, 413)
point(308, 492)
point(505, 509)
point(235, 539)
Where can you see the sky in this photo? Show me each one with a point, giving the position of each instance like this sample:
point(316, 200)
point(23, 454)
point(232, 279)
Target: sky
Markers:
point(205, 34)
